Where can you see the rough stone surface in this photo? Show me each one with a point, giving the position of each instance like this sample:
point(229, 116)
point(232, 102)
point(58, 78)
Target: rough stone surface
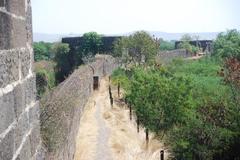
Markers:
point(19, 100)
point(30, 90)
point(66, 104)
point(16, 7)
point(7, 147)
point(9, 67)
point(35, 139)
point(19, 111)
point(21, 130)
point(12, 32)
point(2, 3)
point(5, 35)
point(7, 114)
point(25, 152)
point(166, 56)
point(25, 62)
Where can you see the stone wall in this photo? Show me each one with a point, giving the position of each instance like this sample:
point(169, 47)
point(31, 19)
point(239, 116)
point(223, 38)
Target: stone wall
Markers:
point(166, 56)
point(19, 116)
point(61, 110)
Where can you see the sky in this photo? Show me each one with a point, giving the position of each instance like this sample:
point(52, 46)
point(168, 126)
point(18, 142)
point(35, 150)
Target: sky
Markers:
point(124, 16)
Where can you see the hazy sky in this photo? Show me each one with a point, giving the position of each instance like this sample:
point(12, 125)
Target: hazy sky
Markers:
point(120, 16)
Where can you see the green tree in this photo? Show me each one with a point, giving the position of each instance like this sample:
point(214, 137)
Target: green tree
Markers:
point(92, 43)
point(167, 45)
point(138, 48)
point(41, 51)
point(63, 63)
point(186, 37)
point(185, 44)
point(227, 45)
point(159, 99)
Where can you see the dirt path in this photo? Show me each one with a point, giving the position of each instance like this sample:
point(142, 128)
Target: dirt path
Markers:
point(103, 151)
point(106, 133)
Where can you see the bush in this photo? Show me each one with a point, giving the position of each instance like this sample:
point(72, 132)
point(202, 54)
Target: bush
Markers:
point(166, 45)
point(191, 104)
point(64, 66)
point(45, 76)
point(45, 80)
point(227, 45)
point(42, 51)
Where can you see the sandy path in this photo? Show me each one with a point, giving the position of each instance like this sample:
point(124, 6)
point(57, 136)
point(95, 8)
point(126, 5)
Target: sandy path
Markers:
point(103, 151)
point(106, 133)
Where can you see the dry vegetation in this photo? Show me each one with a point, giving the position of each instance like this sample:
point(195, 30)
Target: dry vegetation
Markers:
point(124, 143)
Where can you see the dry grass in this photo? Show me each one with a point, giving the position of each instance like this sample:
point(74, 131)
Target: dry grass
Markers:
point(124, 141)
point(87, 135)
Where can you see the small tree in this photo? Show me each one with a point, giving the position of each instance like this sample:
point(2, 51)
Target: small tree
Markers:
point(185, 44)
point(137, 48)
point(64, 66)
point(227, 45)
point(41, 51)
point(92, 43)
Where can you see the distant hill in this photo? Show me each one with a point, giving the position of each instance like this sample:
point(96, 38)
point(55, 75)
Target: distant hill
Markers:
point(37, 37)
point(177, 36)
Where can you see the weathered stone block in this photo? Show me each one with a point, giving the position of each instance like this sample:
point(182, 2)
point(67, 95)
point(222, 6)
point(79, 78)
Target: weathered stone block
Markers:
point(5, 31)
point(2, 3)
point(30, 90)
point(29, 24)
point(9, 67)
point(21, 130)
point(19, 34)
point(16, 7)
point(7, 147)
point(19, 100)
point(25, 153)
point(13, 32)
point(34, 114)
point(6, 111)
point(25, 62)
point(35, 139)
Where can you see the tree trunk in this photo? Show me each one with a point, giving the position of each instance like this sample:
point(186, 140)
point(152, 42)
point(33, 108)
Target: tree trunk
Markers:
point(147, 135)
point(130, 113)
point(118, 89)
point(138, 123)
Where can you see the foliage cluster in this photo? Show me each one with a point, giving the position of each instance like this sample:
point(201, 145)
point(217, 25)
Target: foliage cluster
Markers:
point(167, 45)
point(196, 103)
point(63, 61)
point(42, 51)
point(185, 44)
point(137, 48)
point(45, 77)
point(227, 45)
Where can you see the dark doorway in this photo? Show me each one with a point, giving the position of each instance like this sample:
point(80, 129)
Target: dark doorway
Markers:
point(95, 83)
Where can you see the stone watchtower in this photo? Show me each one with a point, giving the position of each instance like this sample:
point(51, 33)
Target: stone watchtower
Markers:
point(19, 110)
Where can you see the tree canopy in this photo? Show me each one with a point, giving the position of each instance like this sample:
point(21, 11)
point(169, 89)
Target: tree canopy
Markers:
point(139, 47)
point(63, 67)
point(42, 51)
point(92, 43)
point(227, 45)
